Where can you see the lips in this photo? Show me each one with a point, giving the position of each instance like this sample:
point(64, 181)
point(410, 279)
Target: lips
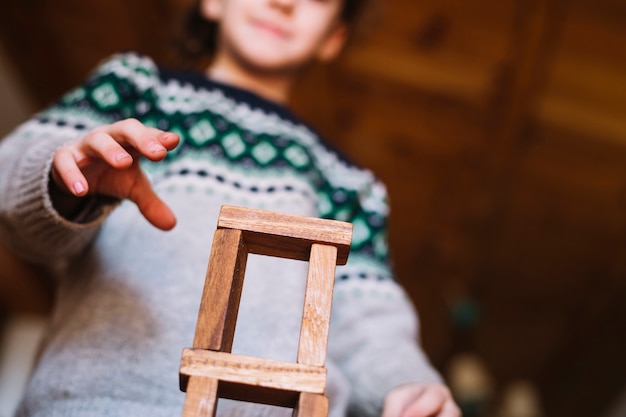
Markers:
point(271, 28)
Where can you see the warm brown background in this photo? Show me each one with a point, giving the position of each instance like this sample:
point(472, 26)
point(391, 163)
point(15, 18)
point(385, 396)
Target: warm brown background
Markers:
point(499, 127)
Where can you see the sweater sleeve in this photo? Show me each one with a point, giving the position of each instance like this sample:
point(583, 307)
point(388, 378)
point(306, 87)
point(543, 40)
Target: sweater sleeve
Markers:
point(29, 224)
point(374, 334)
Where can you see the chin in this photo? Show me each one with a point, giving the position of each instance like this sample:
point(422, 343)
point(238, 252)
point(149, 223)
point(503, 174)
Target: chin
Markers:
point(269, 61)
point(273, 69)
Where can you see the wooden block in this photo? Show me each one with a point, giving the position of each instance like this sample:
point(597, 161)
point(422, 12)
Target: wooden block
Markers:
point(317, 305)
point(286, 236)
point(311, 405)
point(210, 371)
point(215, 328)
point(201, 398)
point(253, 371)
point(257, 394)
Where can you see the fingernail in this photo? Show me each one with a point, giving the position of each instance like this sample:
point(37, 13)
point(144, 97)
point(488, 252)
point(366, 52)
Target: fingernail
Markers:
point(121, 156)
point(156, 148)
point(79, 188)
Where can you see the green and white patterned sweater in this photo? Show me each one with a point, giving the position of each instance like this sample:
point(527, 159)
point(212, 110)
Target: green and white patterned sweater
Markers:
point(128, 294)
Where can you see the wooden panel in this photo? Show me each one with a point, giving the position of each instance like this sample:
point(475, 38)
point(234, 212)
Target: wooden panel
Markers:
point(254, 371)
point(317, 305)
point(452, 48)
point(286, 236)
point(217, 318)
point(590, 50)
point(201, 398)
point(311, 405)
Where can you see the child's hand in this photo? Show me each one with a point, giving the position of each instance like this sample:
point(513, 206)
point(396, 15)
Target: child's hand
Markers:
point(106, 162)
point(420, 400)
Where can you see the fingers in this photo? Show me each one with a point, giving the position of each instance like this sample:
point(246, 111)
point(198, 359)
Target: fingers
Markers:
point(435, 401)
point(66, 173)
point(418, 400)
point(450, 409)
point(104, 162)
point(99, 145)
point(132, 134)
point(113, 144)
point(129, 183)
point(399, 399)
point(118, 142)
point(150, 205)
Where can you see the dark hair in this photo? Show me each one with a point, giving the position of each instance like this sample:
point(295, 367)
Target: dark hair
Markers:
point(198, 36)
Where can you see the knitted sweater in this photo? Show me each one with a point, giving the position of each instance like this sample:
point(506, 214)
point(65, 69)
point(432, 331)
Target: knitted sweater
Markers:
point(128, 294)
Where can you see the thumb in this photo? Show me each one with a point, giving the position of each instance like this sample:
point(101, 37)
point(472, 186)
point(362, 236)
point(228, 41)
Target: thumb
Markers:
point(150, 205)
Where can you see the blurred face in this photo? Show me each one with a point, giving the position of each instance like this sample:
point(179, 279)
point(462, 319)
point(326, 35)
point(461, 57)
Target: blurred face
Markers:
point(277, 35)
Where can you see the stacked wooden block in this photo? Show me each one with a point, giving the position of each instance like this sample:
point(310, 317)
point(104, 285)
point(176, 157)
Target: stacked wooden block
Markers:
point(209, 370)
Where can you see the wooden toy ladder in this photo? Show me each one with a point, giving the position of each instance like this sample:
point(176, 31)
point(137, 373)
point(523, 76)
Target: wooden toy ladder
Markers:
point(210, 371)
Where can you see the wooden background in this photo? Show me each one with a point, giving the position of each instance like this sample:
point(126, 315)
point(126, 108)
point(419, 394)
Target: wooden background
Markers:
point(499, 127)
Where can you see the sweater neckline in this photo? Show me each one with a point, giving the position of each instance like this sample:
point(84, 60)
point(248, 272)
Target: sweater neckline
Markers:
point(240, 95)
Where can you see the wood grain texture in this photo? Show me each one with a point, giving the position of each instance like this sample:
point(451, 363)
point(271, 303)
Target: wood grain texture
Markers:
point(242, 231)
point(286, 236)
point(456, 79)
point(317, 305)
point(311, 405)
point(253, 371)
point(201, 398)
point(217, 317)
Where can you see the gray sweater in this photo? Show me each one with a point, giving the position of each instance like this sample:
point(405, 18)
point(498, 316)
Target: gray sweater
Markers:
point(128, 294)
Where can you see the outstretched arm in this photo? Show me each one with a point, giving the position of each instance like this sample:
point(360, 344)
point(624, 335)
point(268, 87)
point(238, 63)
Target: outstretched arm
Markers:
point(57, 166)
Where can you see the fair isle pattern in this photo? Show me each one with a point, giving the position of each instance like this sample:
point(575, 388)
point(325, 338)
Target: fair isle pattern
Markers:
point(177, 98)
point(241, 140)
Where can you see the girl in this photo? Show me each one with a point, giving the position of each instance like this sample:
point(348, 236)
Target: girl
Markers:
point(139, 141)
